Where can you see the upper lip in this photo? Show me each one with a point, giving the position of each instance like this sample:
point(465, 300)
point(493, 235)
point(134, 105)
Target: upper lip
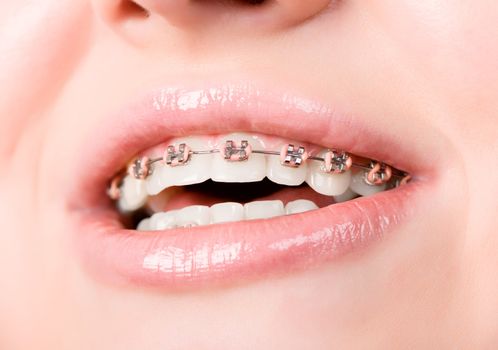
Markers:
point(172, 112)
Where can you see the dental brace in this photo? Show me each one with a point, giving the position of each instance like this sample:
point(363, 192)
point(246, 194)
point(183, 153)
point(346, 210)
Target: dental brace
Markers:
point(333, 162)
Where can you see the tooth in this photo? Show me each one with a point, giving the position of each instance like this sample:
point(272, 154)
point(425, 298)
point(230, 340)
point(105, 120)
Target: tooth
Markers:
point(346, 196)
point(133, 194)
point(195, 171)
point(285, 175)
point(250, 170)
point(299, 206)
point(195, 215)
point(144, 225)
point(227, 212)
point(263, 209)
point(328, 184)
point(163, 221)
point(359, 185)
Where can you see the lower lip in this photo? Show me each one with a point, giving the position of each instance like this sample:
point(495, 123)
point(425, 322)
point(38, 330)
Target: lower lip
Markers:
point(230, 253)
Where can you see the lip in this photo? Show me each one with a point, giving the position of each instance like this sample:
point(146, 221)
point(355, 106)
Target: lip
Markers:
point(226, 253)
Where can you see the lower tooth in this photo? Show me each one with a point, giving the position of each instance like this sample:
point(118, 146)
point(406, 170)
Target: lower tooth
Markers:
point(359, 185)
point(163, 221)
point(195, 215)
point(263, 209)
point(227, 212)
point(144, 225)
point(299, 206)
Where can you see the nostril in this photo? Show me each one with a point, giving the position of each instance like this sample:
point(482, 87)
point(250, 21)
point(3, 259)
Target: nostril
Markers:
point(130, 9)
point(254, 2)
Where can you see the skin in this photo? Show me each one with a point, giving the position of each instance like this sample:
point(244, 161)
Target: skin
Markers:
point(425, 70)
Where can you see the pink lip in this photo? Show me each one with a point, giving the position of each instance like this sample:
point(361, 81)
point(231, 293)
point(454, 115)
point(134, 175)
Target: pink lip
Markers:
point(238, 251)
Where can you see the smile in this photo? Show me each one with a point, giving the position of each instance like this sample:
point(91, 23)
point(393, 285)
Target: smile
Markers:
point(159, 182)
point(230, 184)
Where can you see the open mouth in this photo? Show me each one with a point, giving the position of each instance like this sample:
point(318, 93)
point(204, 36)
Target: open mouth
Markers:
point(229, 183)
point(203, 180)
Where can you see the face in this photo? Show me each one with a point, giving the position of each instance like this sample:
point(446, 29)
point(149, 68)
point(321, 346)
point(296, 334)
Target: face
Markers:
point(88, 86)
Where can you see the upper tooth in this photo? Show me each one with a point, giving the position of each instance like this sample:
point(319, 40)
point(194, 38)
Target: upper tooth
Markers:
point(227, 212)
point(299, 206)
point(263, 209)
point(346, 196)
point(285, 175)
point(194, 215)
point(250, 170)
point(197, 170)
point(359, 185)
point(329, 184)
point(133, 194)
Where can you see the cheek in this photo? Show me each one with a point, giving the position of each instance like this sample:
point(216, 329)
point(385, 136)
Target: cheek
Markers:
point(449, 48)
point(40, 44)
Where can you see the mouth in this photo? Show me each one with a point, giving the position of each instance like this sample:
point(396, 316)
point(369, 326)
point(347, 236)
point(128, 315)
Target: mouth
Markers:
point(229, 184)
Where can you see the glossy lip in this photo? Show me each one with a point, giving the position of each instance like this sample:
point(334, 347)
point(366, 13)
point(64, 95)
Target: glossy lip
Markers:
point(224, 253)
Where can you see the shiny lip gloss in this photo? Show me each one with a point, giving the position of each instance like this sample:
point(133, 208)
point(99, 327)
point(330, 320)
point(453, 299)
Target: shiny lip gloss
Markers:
point(240, 251)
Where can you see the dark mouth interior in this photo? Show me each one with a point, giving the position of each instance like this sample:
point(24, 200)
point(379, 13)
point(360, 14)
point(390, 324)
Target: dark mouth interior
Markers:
point(210, 192)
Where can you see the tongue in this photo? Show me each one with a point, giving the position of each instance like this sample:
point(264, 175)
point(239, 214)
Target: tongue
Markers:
point(180, 197)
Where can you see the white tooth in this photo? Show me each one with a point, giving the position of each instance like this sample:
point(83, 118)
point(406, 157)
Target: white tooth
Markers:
point(346, 196)
point(144, 225)
point(299, 206)
point(133, 194)
point(197, 170)
point(326, 183)
point(195, 215)
point(251, 170)
point(227, 212)
point(163, 221)
point(263, 209)
point(359, 185)
point(285, 175)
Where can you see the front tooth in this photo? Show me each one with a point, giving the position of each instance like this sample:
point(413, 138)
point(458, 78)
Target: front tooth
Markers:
point(359, 186)
point(328, 184)
point(193, 172)
point(195, 215)
point(263, 209)
point(285, 175)
point(163, 221)
point(133, 194)
point(227, 212)
point(299, 206)
point(250, 170)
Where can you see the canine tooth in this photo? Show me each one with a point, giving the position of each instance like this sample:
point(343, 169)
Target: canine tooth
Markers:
point(285, 175)
point(328, 184)
point(263, 209)
point(299, 206)
point(359, 185)
point(250, 170)
point(163, 221)
point(197, 170)
point(227, 212)
point(133, 194)
point(346, 196)
point(144, 225)
point(194, 215)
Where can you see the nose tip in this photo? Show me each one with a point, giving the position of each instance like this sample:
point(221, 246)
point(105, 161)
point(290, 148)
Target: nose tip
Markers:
point(233, 14)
